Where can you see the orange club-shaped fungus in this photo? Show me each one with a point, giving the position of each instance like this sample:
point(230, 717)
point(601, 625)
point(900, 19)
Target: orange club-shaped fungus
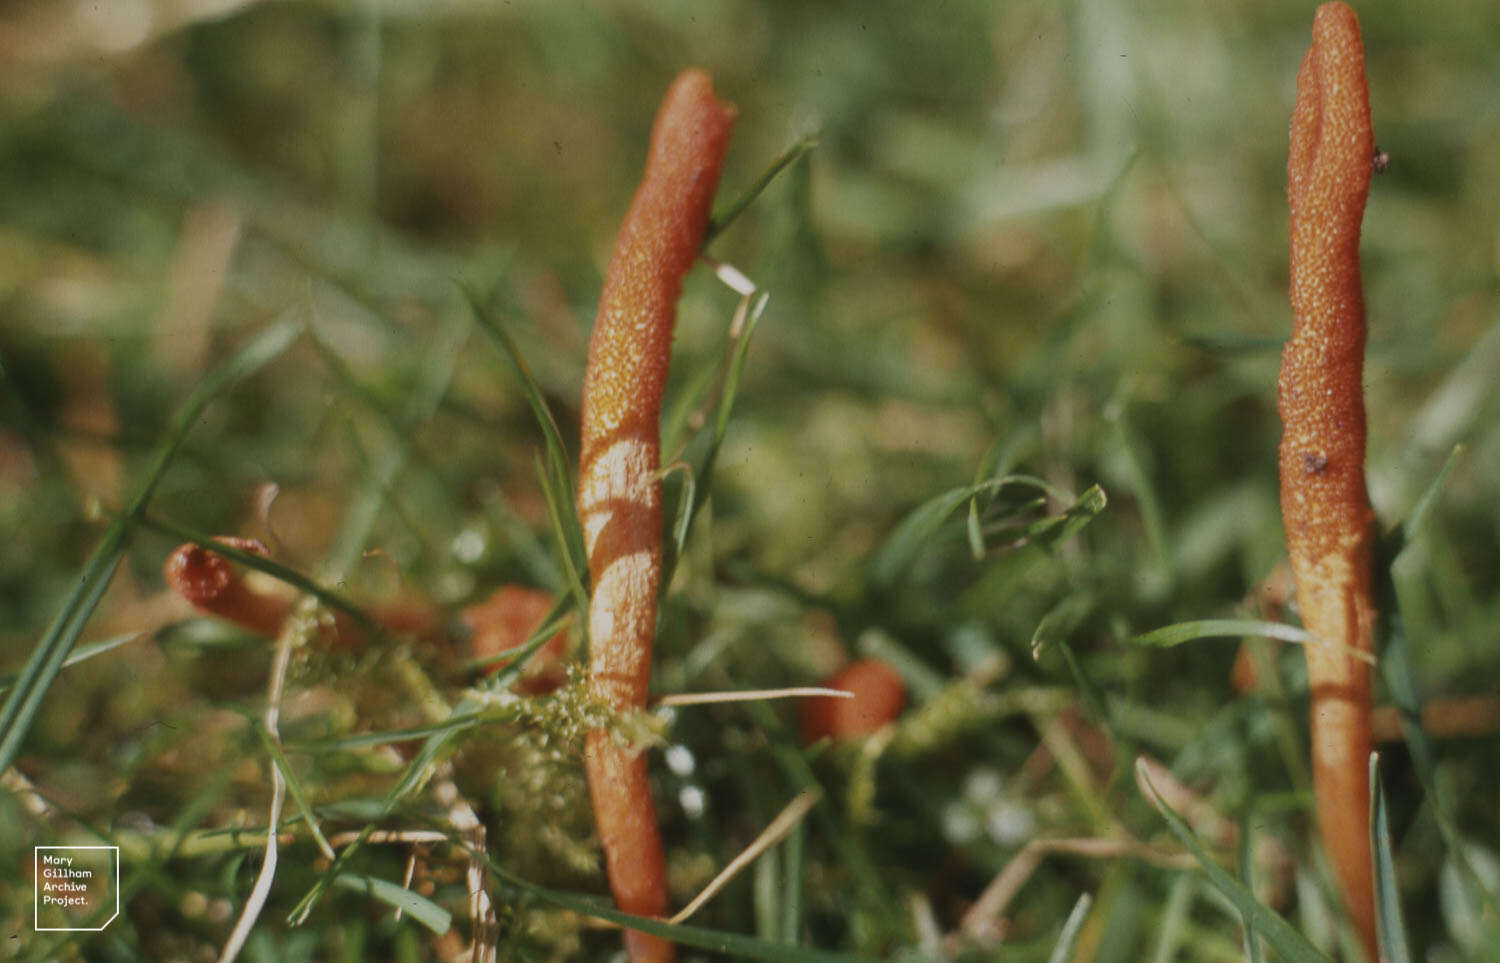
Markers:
point(1325, 507)
point(210, 583)
point(877, 696)
point(619, 493)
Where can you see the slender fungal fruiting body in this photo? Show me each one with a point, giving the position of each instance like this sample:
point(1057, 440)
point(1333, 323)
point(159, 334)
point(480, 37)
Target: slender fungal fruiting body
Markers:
point(619, 494)
point(1324, 504)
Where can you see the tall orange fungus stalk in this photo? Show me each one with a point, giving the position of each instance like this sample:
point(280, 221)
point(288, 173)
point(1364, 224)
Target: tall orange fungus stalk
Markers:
point(619, 494)
point(1324, 505)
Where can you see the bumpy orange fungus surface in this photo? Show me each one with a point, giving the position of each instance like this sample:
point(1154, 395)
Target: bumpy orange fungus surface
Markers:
point(619, 497)
point(1324, 505)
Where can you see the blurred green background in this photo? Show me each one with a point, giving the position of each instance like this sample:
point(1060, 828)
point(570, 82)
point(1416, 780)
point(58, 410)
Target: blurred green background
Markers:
point(1035, 237)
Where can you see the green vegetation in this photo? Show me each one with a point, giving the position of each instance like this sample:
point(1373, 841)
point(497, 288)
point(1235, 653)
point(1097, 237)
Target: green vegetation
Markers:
point(322, 274)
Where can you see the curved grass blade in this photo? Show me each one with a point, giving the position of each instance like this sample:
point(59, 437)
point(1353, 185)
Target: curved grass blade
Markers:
point(733, 944)
point(791, 884)
point(1062, 951)
point(517, 657)
point(726, 215)
point(1253, 952)
point(1422, 510)
point(704, 453)
point(1394, 945)
point(385, 737)
point(557, 458)
point(564, 521)
point(558, 483)
point(1181, 632)
point(1291, 946)
point(426, 395)
point(416, 773)
point(274, 569)
point(25, 699)
point(418, 907)
point(293, 785)
point(922, 522)
point(80, 654)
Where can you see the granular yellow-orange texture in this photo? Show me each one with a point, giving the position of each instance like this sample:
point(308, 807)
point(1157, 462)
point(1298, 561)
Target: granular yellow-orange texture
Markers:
point(619, 496)
point(1324, 504)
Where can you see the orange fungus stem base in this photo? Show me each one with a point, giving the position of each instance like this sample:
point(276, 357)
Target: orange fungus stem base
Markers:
point(1324, 504)
point(619, 496)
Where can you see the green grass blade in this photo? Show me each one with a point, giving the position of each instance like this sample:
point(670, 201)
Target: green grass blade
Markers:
point(1181, 632)
point(687, 505)
point(1253, 952)
point(418, 907)
point(80, 654)
point(557, 457)
point(41, 669)
point(792, 868)
point(1054, 529)
point(25, 699)
point(1401, 681)
point(365, 740)
point(558, 483)
point(416, 773)
point(1428, 500)
point(1060, 622)
point(733, 944)
point(996, 463)
point(521, 654)
point(922, 522)
point(1062, 950)
point(260, 563)
point(560, 513)
point(1394, 944)
point(293, 786)
point(425, 397)
point(726, 215)
point(703, 455)
point(1292, 946)
point(1169, 934)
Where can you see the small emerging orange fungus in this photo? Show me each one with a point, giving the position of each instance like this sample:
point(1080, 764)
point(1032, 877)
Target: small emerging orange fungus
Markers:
point(879, 696)
point(211, 584)
point(619, 496)
point(1324, 504)
point(503, 622)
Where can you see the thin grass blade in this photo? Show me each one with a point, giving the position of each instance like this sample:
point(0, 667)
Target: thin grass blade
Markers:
point(726, 215)
point(1181, 632)
point(1062, 950)
point(732, 944)
point(1292, 946)
point(418, 907)
point(1394, 944)
point(41, 669)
